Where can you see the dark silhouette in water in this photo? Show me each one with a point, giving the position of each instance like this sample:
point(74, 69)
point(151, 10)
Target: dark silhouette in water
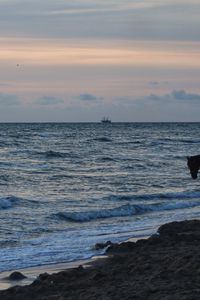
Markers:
point(193, 163)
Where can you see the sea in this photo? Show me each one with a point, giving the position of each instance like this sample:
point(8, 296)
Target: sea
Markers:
point(66, 186)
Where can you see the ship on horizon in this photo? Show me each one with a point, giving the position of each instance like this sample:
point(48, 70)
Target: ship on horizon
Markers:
point(106, 120)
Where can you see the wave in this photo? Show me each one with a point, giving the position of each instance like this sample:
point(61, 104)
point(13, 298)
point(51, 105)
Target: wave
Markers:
point(4, 179)
point(188, 141)
point(123, 211)
point(8, 202)
point(103, 139)
point(106, 159)
point(129, 142)
point(172, 140)
point(53, 154)
point(156, 196)
point(11, 201)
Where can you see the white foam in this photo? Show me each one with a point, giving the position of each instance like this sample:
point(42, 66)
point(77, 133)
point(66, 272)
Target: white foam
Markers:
point(125, 210)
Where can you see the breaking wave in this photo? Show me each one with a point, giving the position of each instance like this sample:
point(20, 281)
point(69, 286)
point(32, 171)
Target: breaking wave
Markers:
point(123, 211)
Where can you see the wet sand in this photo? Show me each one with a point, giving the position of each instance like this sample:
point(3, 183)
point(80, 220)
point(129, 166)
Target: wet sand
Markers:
point(33, 273)
point(164, 266)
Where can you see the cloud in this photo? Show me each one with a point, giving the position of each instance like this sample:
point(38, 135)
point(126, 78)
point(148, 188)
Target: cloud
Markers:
point(139, 19)
point(49, 100)
point(4, 84)
point(157, 83)
point(64, 19)
point(182, 95)
point(89, 97)
point(8, 99)
point(154, 83)
point(176, 95)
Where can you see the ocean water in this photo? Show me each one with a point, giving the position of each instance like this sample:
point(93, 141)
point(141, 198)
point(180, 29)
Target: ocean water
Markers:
point(66, 187)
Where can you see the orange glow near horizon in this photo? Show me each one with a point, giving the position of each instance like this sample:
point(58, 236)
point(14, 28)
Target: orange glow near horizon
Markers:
point(138, 54)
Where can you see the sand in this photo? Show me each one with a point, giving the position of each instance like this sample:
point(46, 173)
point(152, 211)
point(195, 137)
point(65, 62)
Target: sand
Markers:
point(33, 273)
point(164, 266)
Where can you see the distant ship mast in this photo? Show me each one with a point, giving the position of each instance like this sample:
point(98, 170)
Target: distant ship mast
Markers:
point(105, 120)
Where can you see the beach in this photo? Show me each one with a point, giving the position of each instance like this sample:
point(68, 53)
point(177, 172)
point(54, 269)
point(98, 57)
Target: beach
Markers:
point(99, 149)
point(164, 266)
point(32, 273)
point(66, 187)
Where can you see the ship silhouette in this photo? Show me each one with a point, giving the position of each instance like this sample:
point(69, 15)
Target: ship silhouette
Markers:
point(106, 120)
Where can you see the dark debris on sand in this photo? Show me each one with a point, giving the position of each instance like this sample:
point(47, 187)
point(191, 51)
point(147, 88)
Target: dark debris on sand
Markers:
point(164, 267)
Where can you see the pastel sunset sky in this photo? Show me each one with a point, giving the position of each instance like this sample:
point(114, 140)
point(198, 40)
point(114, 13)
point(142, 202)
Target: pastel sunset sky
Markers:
point(77, 61)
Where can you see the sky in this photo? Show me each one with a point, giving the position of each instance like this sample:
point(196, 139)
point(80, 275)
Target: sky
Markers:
point(130, 60)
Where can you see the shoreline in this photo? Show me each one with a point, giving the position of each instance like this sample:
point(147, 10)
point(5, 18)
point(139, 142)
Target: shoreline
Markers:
point(164, 266)
point(33, 272)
